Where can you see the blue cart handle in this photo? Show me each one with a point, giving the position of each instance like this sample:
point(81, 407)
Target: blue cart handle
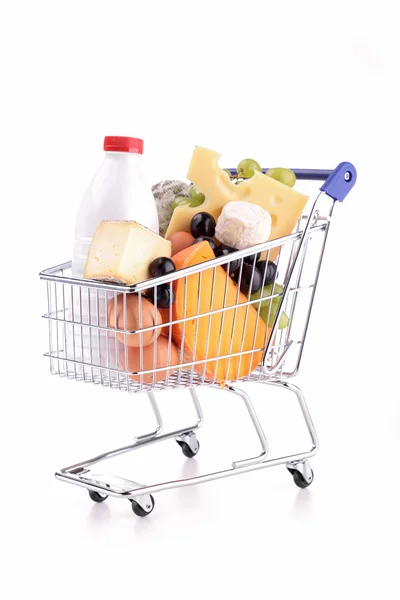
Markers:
point(340, 181)
point(306, 174)
point(337, 183)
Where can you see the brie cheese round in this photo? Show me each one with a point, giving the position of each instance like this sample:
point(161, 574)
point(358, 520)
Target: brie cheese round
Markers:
point(242, 225)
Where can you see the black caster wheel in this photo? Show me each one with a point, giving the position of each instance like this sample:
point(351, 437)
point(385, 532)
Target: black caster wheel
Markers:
point(96, 497)
point(140, 511)
point(300, 481)
point(186, 449)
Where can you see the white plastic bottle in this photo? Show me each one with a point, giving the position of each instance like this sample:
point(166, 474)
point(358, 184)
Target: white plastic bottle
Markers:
point(118, 191)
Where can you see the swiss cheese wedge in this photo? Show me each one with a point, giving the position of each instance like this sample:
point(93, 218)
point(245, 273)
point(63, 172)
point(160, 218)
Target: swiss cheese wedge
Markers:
point(231, 331)
point(284, 204)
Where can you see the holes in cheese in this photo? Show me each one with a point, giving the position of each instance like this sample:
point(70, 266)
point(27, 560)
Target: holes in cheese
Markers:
point(274, 220)
point(284, 204)
point(222, 333)
point(122, 251)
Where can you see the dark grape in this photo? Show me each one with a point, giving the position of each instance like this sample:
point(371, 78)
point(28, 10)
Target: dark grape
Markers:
point(202, 224)
point(270, 269)
point(204, 238)
point(161, 266)
point(252, 258)
point(247, 274)
point(165, 295)
point(222, 251)
point(234, 265)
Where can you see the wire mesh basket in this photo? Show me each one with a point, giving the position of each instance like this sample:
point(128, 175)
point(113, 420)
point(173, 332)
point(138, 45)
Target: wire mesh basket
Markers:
point(89, 338)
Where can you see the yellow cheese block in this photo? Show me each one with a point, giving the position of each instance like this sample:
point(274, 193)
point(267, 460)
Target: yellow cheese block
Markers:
point(233, 331)
point(122, 251)
point(284, 204)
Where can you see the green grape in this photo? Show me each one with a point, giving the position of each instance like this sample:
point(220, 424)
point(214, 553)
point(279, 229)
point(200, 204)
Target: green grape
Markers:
point(196, 198)
point(197, 202)
point(268, 290)
point(283, 321)
point(246, 168)
point(180, 201)
point(285, 176)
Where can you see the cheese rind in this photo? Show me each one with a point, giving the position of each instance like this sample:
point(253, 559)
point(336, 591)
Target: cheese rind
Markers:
point(122, 251)
point(284, 204)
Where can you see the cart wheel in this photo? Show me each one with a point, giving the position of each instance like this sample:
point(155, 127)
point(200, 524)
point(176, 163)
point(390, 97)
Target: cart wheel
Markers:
point(96, 497)
point(300, 481)
point(186, 449)
point(140, 511)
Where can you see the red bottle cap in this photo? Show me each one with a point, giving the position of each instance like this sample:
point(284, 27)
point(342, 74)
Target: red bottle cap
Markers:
point(116, 143)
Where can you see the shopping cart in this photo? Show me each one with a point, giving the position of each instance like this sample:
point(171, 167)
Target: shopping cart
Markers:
point(87, 342)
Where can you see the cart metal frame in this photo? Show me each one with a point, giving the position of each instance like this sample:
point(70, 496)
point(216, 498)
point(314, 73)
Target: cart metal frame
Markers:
point(271, 371)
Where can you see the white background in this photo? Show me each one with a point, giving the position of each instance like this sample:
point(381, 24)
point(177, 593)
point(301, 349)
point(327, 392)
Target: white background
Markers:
point(303, 85)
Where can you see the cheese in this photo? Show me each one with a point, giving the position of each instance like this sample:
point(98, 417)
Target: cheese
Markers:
point(122, 251)
point(164, 193)
point(284, 204)
point(242, 225)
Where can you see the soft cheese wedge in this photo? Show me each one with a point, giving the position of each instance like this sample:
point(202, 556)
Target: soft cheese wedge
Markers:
point(122, 251)
point(284, 204)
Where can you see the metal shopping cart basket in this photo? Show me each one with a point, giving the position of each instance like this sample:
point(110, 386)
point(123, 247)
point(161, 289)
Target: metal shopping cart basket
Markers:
point(87, 344)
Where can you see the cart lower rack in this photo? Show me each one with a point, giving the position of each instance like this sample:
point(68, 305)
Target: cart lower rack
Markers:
point(233, 341)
